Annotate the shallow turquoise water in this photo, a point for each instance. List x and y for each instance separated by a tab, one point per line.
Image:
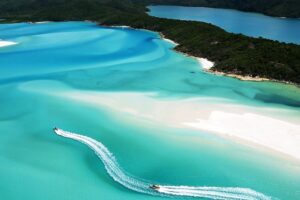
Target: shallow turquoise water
82	57
251	24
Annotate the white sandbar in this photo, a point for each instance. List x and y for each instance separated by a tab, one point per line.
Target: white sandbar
273	128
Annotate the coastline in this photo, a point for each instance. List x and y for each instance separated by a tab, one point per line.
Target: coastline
240	77
205	63
250	78
163	37
185	49
208	65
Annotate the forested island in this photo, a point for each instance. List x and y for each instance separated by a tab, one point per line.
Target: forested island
232	53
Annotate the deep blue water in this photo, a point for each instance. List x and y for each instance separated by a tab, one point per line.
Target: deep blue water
250	24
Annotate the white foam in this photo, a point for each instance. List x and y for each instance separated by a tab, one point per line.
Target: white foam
109	162
214	192
113	169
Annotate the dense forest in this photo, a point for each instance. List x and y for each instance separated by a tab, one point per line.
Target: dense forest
279	8
232	53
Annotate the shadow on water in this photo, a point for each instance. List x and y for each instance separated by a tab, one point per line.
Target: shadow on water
277	99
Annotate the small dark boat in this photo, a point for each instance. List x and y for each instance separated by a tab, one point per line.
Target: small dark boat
55	129
154	187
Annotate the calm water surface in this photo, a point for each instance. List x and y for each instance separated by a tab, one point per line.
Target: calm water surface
251	24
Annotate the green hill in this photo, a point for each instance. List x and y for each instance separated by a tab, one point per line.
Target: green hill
58	10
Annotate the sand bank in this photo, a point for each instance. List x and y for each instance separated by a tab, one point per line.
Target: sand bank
242	122
278	135
246	123
266	127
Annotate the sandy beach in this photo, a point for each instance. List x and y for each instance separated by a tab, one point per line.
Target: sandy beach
170	41
240	77
205	63
265	127
165	38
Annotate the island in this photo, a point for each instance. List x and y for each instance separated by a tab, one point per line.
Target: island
233	54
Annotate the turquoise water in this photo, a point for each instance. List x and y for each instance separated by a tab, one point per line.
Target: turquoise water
250	24
54	61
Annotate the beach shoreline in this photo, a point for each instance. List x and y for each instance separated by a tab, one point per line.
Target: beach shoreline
249	78
163	37
205	63
208	66
240	77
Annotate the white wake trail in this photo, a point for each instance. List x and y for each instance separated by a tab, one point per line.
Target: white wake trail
114	170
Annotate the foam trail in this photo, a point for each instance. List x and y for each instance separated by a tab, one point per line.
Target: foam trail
128	181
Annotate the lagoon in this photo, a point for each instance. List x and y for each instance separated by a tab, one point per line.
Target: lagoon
153	108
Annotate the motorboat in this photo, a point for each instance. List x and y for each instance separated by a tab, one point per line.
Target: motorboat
154	187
